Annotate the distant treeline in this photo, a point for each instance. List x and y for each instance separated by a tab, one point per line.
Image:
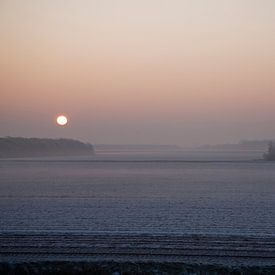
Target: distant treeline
257	145
270	155
40	147
135	147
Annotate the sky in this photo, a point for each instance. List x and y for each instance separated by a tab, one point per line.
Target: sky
138	72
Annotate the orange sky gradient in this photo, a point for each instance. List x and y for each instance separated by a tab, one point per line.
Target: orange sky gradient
156	72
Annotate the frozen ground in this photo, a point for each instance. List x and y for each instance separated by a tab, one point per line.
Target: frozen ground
147	206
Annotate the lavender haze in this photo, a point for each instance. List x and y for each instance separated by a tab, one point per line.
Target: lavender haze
133	72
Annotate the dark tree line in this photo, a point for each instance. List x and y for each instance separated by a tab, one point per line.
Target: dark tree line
28	147
270	155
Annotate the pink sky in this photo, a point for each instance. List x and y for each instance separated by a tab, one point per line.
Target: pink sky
162	72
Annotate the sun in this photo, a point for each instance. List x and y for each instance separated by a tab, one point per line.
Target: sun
62	120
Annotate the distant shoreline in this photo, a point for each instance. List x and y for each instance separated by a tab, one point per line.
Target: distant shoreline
17	147
245	145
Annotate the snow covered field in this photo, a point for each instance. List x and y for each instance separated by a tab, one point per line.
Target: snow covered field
169	197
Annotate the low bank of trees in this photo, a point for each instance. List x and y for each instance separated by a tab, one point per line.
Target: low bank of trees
31	147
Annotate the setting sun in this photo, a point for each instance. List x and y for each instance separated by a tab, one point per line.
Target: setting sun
62	120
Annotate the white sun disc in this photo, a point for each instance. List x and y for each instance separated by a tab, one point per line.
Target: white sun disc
62	120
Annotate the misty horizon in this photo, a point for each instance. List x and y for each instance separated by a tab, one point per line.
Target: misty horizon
245	144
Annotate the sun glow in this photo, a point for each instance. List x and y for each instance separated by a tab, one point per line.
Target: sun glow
62	120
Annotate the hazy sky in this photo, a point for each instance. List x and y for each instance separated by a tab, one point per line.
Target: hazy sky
184	72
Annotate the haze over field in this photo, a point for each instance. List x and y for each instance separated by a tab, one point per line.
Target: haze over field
131	72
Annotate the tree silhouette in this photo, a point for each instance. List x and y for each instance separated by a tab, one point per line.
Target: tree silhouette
270	155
